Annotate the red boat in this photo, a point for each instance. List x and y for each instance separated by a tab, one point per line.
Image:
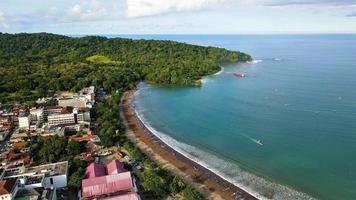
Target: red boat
239	74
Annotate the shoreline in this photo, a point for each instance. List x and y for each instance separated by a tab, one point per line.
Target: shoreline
211	185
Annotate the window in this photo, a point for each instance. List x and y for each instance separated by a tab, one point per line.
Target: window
51	181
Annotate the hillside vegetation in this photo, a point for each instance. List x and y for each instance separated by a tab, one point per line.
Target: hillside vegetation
34	65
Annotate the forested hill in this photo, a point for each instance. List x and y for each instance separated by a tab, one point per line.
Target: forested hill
31	65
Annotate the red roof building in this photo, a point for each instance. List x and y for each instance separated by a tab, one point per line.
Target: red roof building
129	196
8	188
19	145
115	167
110	181
95	170
107	184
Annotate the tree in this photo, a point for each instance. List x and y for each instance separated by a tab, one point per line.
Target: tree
75	180
190	194
152	183
177	185
74	148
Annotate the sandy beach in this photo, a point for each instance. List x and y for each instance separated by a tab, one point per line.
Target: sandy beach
208	183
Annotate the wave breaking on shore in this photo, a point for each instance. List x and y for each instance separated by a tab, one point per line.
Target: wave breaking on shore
231	172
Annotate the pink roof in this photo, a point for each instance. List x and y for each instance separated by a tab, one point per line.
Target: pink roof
130	196
95	170
106	184
115	167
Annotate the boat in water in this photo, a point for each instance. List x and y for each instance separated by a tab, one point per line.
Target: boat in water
259	142
239	74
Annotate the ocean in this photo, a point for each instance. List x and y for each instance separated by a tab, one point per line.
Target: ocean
285	131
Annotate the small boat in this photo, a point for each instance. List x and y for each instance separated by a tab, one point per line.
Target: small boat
239	74
259	142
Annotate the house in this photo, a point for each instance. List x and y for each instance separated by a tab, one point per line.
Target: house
8	189
115	167
37	194
52	175
129	196
105	185
111	181
4	132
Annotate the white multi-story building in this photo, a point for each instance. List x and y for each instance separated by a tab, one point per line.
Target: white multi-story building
61	119
82	115
75	102
52	175
84	99
24	121
37	115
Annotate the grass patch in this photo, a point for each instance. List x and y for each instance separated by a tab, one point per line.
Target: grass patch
100	59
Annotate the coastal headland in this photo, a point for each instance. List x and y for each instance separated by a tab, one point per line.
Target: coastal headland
209	184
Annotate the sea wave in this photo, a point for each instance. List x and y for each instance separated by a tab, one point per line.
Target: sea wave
219	72
255	61
257	186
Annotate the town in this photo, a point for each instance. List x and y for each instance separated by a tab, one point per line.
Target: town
52	151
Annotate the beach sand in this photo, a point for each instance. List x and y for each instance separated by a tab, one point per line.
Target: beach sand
205	181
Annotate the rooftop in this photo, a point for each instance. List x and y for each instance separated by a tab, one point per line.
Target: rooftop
107	184
52	169
129	196
7	185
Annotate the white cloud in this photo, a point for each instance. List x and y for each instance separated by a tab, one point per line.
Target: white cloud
76	9
3	22
141	8
87	10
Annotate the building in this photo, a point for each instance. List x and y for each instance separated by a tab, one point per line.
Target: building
4	132
84	99
75	102
24	121
47	176
8	189
37	194
61	119
51	110
104	185
82	115
37	114
112	181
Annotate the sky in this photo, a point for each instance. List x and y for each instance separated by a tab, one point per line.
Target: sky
178	16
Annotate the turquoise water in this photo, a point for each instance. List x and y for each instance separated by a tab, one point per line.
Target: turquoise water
299	101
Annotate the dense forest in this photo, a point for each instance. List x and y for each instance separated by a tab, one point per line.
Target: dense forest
35	65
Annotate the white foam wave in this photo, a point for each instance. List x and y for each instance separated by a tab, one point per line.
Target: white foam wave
219	72
231	172
255	61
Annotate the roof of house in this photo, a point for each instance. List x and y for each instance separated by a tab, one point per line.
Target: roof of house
19	145
81	138
106	184
95	170
129	196
115	167
7	185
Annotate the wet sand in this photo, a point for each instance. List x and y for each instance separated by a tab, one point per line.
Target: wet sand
208	183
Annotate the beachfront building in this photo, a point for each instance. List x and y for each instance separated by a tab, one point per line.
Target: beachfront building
8	189
108	182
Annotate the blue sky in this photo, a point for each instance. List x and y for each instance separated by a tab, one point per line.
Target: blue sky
178	16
